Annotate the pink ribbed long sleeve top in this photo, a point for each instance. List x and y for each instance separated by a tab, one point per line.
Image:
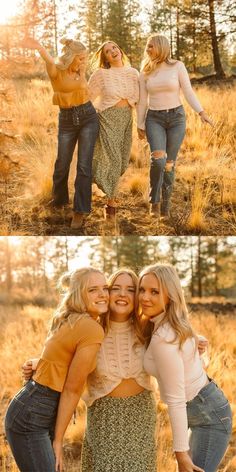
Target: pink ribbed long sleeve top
160	90
180	376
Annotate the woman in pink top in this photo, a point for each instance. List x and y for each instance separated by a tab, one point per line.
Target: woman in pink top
194	401
161	117
114	89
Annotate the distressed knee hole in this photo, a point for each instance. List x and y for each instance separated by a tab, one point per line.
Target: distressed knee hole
169	166
158	154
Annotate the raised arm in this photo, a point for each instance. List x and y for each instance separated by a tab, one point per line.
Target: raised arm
31	43
170	367
81	366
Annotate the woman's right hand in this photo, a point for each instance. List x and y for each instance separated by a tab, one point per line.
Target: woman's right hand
185	463
28	368
30	43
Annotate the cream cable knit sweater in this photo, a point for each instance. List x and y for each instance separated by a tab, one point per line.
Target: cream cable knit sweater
108	86
120	357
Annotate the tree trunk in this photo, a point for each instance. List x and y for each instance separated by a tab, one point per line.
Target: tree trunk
214	41
199	267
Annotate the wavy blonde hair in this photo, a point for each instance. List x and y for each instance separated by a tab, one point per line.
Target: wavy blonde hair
176	312
135	319
74	302
71	48
99	61
162	50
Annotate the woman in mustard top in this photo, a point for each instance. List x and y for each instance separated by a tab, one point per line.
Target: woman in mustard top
41	411
78	123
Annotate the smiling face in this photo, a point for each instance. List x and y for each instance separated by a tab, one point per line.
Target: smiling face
79	59
122	297
112	54
96	295
152	299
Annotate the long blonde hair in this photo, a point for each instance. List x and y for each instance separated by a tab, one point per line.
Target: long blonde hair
176	312
99	61
135	319
74	302
162	49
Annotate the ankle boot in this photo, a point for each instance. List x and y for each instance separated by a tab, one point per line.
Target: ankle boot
77	220
155	210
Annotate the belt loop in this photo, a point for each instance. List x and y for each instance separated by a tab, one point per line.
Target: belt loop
201	398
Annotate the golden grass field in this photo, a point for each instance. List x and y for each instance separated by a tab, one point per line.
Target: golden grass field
23	332
204	198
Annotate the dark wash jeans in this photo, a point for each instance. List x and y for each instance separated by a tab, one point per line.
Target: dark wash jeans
210	421
29	426
77	124
165	132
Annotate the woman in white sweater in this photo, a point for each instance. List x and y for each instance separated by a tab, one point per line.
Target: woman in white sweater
194	401
161	116
114	89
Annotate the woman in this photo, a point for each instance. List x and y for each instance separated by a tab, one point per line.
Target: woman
193	399
162	115
41	411
78	123
114	89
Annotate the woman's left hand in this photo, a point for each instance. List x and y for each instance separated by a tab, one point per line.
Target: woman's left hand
205	118
58	451
202	345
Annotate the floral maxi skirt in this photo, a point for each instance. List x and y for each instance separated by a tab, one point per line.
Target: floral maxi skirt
121	435
112	148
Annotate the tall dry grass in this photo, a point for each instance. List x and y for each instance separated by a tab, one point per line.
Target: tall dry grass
204	198
23	332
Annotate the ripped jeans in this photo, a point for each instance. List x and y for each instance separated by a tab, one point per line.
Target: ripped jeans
165	131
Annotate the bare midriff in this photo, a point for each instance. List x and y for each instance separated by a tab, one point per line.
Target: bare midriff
122	103
127	388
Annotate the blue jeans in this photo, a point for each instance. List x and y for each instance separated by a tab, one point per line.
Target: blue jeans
77	124
29	426
165	131
210	421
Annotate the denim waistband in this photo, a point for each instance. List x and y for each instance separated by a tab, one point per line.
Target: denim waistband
79	108
205	392
33	386
169	110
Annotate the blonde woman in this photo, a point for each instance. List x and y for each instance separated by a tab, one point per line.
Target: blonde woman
161	117
114	89
41	411
193	400
78	124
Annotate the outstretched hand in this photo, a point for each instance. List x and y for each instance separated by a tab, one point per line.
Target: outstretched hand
205	118
30	43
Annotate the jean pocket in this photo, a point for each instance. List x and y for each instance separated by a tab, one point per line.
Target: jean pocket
180	112
224	415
